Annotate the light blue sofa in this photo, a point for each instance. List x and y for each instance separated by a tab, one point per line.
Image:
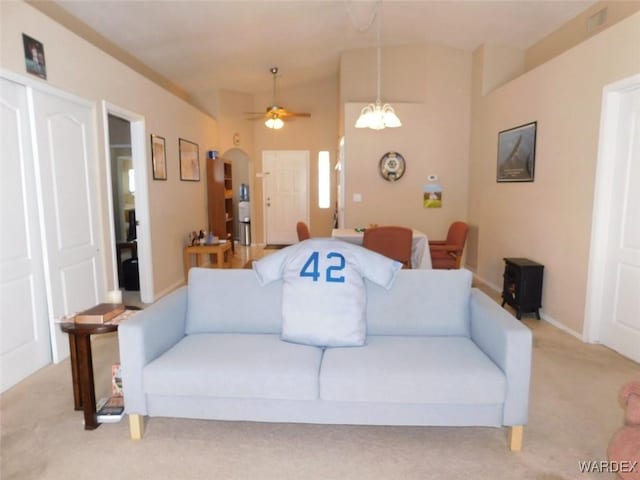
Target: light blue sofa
438	353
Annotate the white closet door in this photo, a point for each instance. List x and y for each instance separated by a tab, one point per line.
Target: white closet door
621	306
67	160
24	328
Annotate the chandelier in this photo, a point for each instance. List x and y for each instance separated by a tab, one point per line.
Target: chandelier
378	116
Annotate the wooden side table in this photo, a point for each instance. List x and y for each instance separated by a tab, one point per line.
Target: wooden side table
84	394
221	251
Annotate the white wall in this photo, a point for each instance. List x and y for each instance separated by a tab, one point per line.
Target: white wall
78	67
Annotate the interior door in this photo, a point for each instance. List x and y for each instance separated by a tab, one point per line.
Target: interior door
621	299
286	194
24	342
67	160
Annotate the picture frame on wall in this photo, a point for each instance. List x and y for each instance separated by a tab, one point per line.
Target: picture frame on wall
517	153
189	161
34	56
158	157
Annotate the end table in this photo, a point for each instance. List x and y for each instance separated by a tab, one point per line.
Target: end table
84	394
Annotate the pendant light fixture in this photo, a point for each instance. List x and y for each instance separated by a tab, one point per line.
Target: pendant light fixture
377	116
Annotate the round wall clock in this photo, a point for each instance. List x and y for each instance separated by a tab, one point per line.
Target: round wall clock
392	166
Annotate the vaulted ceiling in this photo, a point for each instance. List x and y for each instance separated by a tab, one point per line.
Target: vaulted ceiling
202	46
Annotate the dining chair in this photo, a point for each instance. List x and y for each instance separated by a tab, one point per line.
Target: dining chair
303	231
447	254
390	241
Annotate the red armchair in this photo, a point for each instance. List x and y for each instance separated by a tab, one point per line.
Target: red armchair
447	254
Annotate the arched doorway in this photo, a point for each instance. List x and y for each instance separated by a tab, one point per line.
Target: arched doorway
242	167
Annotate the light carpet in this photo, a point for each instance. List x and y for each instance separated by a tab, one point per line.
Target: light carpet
573	414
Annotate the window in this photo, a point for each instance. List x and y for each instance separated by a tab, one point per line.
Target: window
324	179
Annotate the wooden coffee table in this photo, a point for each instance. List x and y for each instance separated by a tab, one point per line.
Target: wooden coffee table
221	251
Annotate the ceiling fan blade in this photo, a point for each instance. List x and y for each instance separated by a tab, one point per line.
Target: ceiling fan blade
295	114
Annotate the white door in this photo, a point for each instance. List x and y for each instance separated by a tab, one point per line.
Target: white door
67	159
620	318
286	194
24	328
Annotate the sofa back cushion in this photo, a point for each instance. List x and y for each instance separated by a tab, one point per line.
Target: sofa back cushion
232	301
421	302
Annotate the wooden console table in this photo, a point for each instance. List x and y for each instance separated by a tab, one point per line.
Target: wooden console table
221	251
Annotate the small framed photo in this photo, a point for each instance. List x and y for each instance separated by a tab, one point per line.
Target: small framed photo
189	161
158	157
517	153
34	56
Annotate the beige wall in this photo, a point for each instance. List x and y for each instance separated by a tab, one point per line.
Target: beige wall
230	113
314	134
500	64
78	67
548	220
429	86
576	31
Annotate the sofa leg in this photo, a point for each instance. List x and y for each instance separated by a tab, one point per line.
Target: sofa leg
136	426
516	433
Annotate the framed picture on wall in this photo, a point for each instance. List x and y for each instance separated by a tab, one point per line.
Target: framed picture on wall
517	153
158	158
34	56
189	161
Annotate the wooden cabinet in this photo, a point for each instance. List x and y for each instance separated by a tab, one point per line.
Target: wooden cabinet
220	198
522	287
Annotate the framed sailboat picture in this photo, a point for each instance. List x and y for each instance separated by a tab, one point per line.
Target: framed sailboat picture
517	153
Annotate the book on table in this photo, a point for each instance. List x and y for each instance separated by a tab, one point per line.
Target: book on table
110	410
102	313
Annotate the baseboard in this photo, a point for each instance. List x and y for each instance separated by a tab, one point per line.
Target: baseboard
543	315
561	326
497	288
168	290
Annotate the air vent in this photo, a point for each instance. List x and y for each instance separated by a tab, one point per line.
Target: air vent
595	21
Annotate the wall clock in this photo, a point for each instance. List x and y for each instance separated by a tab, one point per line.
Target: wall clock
392	166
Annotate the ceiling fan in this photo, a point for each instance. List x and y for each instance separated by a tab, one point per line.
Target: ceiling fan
275	115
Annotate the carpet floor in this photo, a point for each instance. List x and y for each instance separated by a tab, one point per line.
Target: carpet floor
573	414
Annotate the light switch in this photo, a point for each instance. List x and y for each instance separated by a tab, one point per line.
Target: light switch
357	197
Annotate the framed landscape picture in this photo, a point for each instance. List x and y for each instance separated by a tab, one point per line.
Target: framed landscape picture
189	161
158	158
517	153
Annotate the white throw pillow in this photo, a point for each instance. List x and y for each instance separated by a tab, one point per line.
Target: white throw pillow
323	296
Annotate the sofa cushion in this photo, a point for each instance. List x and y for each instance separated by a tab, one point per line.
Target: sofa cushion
421	302
235	366
218	302
441	370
